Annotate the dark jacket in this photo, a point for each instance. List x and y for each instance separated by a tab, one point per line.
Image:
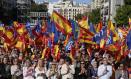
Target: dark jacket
5	71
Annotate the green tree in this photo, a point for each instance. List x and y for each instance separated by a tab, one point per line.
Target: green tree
79	17
127	2
38	7
94	16
123	13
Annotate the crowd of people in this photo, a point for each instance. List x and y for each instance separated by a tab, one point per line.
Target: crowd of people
100	65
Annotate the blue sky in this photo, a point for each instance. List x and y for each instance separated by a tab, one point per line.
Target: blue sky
78	1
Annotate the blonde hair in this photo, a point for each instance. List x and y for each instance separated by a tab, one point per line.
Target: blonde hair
39	62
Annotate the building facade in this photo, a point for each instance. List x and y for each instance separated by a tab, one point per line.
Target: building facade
96	4
6	6
69	9
35	15
23	8
109	7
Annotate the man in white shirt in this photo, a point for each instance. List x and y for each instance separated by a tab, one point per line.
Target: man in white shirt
104	70
67	70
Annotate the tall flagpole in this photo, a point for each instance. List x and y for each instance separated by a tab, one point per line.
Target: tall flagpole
109	9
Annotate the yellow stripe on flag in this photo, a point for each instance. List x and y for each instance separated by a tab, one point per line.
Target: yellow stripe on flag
84	24
56	50
102	43
63	23
9	34
43	53
111	26
19	44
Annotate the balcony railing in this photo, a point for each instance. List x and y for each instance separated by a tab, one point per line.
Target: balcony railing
38	14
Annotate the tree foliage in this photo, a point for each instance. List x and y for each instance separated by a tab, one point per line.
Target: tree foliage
127	2
123	13
38	7
94	16
79	17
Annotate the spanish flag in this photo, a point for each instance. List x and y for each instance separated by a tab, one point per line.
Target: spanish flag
111	26
21	29
44	53
84	23
2	30
123	32
99	27
20	45
129	21
62	23
8	36
102	43
56	50
15	24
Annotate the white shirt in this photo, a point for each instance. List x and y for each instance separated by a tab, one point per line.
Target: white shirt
59	69
28	73
67	73
37	71
102	69
15	70
53	76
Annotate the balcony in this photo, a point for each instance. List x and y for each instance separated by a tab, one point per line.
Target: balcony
38	14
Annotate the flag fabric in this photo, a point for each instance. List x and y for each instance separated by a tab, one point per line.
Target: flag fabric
49	26
72	53
85	36
20	42
5	46
84	23
75	28
116	36
62	24
109	38
28	28
99	27
101	35
55	33
43	53
129	21
2	29
92	29
66	40
89	51
122	33
128	40
37	30
19	45
111	26
56	50
69	44
102	43
20	29
8	36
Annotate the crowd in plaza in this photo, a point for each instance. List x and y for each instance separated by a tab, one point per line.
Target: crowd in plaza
63	49
100	65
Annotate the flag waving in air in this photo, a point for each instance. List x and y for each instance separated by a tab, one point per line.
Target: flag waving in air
129	21
84	23
62	23
128	38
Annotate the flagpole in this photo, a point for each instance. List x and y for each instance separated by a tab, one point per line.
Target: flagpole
109	9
